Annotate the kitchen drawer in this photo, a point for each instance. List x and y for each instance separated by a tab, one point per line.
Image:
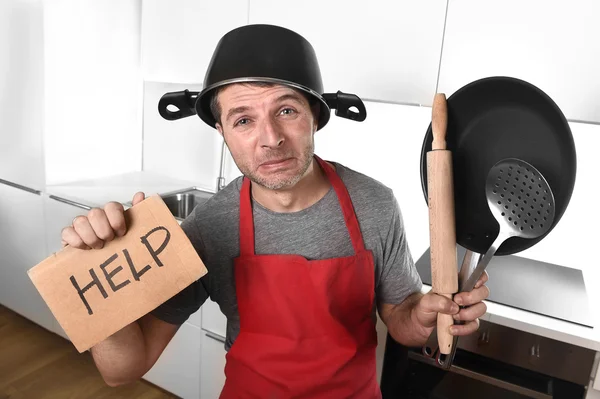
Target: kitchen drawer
533	352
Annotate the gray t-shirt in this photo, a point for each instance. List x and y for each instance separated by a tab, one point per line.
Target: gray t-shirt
317	232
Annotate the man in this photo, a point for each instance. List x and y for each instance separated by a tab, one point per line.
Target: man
300	252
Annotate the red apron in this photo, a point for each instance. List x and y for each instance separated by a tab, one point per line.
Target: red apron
306	327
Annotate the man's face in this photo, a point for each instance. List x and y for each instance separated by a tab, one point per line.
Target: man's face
269	132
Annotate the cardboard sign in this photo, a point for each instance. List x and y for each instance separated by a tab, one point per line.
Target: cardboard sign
95	293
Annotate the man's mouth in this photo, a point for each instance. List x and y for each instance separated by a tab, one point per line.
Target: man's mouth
276	162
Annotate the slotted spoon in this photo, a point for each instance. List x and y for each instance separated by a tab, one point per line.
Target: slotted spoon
522	203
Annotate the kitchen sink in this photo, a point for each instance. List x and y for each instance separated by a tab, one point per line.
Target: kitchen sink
182	202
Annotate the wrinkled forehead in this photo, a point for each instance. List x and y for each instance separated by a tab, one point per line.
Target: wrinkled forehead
258	93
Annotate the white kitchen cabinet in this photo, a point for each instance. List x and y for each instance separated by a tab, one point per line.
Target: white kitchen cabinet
551	44
92	89
22	94
212	374
22	246
184	149
381	50
178	368
381	341
179	37
59	213
213	320
196	319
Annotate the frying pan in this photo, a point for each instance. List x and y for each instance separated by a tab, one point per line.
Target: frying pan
492	119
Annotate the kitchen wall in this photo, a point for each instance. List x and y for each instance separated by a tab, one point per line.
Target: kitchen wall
395	55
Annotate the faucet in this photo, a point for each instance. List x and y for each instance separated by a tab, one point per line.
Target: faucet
221	178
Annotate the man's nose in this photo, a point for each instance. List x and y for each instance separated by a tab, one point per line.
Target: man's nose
271	135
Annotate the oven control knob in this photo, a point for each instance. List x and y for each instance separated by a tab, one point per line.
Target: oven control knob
535	351
484	337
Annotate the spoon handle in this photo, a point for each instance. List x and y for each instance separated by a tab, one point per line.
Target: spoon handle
485	260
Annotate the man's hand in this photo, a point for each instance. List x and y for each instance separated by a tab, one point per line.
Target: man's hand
98	227
426	310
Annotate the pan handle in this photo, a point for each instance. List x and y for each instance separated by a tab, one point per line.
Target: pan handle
342	102
184	101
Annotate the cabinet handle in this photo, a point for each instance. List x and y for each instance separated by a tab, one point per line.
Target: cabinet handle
214	336
530	393
20	187
66	201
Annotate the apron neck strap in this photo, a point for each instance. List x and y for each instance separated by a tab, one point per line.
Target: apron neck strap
247	220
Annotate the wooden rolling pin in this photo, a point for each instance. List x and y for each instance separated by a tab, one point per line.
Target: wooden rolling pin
442	227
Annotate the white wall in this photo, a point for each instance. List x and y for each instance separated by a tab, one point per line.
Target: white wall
93	88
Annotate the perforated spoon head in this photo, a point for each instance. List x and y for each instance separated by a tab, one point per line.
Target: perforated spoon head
520	199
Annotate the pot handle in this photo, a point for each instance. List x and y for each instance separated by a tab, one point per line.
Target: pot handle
184	101
342	102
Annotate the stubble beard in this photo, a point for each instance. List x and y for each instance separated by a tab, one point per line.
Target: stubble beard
277	183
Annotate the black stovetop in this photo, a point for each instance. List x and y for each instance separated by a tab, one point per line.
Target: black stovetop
539	287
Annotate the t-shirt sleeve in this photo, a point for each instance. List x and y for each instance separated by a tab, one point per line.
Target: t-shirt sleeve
399	276
181	306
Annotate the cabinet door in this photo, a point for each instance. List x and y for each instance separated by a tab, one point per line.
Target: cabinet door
381	340
178	38
212	371
198	160
22	246
213	320
547	43
58	215
178	368
90	133
383	50
22	94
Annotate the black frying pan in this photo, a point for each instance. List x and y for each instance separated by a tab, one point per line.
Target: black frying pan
492	119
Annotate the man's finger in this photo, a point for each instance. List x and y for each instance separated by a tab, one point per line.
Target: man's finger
434	303
482	280
138	197
70	237
471	312
472	297
114	213
99	222
465	329
82	226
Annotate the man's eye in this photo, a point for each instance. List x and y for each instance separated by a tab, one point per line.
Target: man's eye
243	121
287	111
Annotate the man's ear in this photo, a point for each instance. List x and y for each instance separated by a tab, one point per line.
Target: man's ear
219	128
316	111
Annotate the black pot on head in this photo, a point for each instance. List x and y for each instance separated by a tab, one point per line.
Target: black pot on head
262	53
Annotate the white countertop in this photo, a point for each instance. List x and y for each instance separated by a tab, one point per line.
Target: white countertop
542	325
121	188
